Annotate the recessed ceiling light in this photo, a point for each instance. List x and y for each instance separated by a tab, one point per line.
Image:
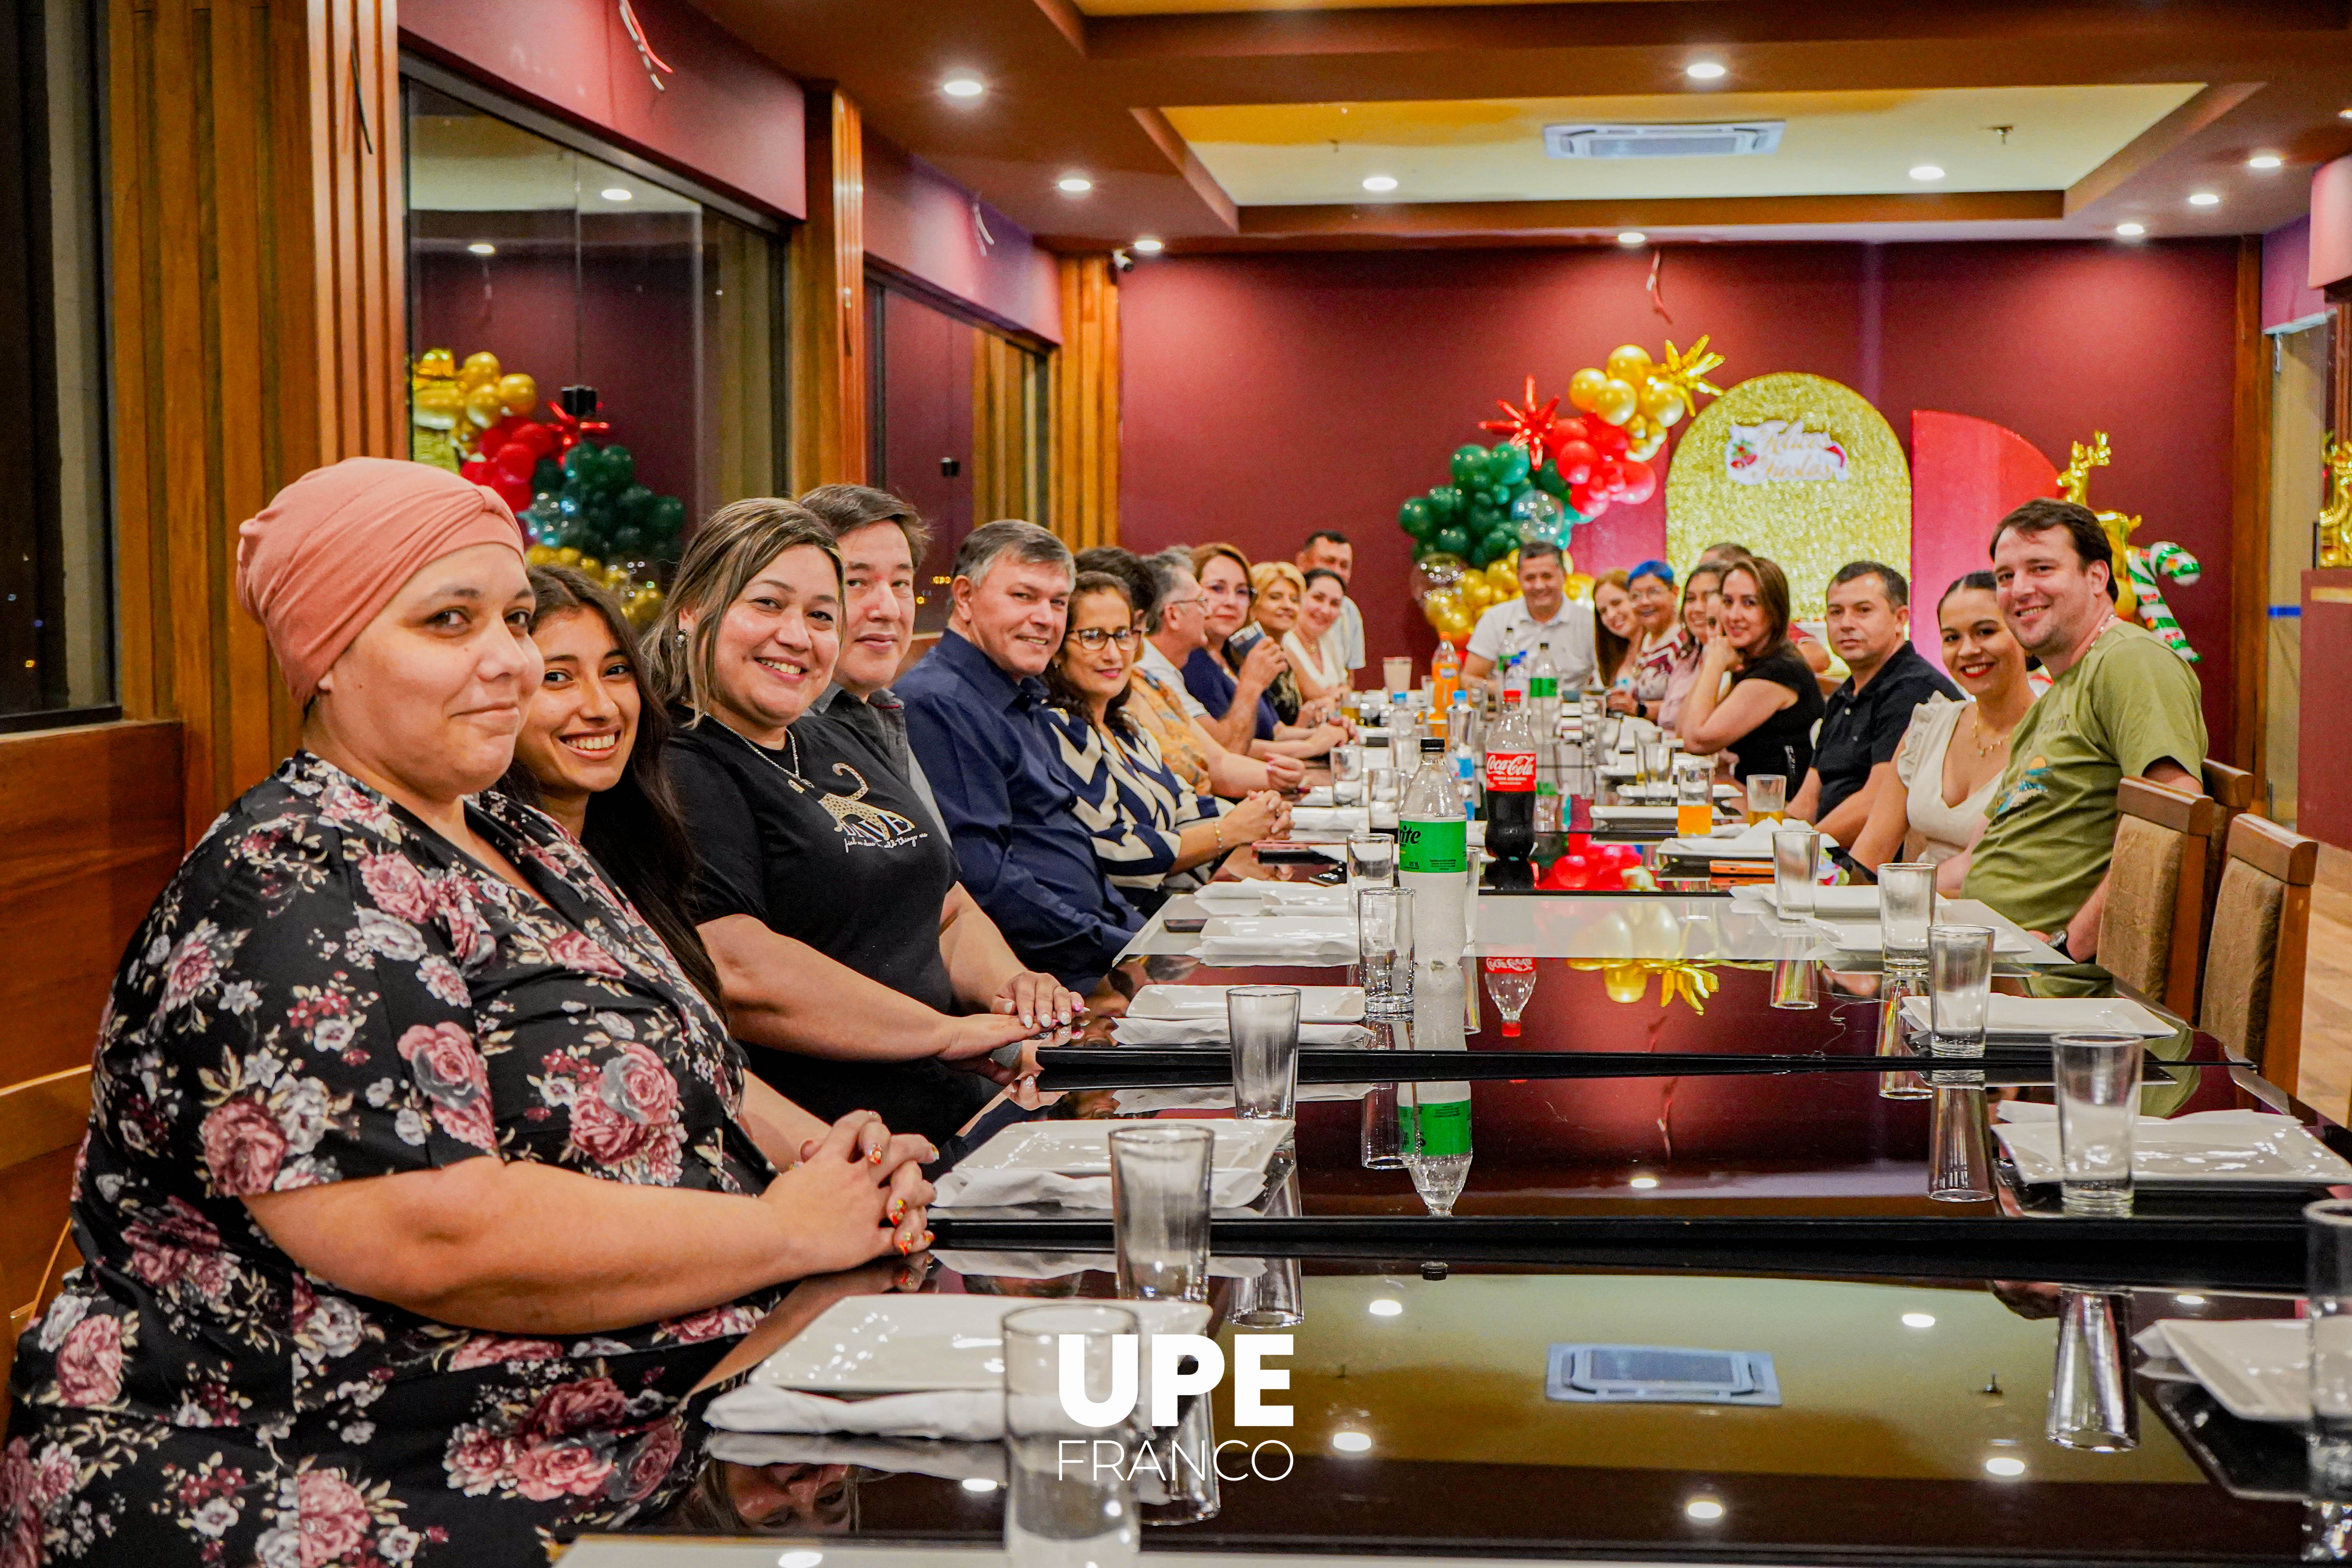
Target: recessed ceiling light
1379	182
1151	246
483	247
618	194
2205	199
1384	1307
802	1558
1918	1319
2131	230
1705	1509
2344	114
2190	1300
1704	70
963	86
1632	237
978	1484
1076	184
1926	171
1644	1183
2004	1464
2264	161
1352	1442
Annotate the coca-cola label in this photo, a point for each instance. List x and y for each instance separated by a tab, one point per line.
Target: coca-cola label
1510	966
1511	771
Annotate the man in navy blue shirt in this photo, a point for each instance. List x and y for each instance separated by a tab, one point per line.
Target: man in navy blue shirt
972	715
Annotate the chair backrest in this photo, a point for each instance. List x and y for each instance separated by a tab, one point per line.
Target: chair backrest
42	1121
2262	934
2232	790
2150	930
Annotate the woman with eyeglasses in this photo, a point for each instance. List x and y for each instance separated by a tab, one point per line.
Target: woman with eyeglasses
1153	835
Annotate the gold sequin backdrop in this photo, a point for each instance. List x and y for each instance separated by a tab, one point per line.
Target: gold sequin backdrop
1811	526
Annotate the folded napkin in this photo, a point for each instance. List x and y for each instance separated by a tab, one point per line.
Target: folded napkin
1061	1264
1286	938
1134	1031
948	1460
1634	813
1750	843
1014	1189
1304	954
1272	898
1331	820
1213	1097
1316	1004
972	1415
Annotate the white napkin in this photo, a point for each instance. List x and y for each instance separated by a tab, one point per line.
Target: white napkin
1289	937
1316	1004
972	1415
948	1460
1060	1265
2041	1017
1013	1189
1208	1097
1341	819
1750	843
1631	814
1272	898
1134	1031
1304	952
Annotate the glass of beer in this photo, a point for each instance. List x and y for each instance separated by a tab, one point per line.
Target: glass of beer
1694	796
1767	796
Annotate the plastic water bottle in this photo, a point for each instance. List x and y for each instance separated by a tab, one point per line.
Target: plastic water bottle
1543	720
1445	676
1433	858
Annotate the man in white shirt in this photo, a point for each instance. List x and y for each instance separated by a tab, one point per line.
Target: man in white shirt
1328	549
1542	614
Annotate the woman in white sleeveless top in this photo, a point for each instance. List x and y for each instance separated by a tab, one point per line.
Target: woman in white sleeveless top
1953	753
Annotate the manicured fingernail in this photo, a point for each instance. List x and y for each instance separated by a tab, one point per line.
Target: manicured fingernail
929	1154
875	1158
898	1210
927	1239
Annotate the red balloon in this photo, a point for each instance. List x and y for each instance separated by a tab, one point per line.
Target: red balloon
1641	482
1609	478
516	461
536	438
478	469
1609	439
515	492
1588	501
1568	872
1623	854
1576	459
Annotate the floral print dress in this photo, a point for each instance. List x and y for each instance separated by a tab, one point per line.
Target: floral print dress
327	990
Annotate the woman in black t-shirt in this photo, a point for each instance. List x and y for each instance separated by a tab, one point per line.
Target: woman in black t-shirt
848	951
1767	717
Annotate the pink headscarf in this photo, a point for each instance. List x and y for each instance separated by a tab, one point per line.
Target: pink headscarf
332	549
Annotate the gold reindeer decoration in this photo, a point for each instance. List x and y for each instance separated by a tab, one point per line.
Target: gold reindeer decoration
2336	521
2074	485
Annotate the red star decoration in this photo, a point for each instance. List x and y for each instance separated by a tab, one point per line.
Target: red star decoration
1530	428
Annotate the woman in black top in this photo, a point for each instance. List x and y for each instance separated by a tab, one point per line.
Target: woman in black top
846	949
1767	717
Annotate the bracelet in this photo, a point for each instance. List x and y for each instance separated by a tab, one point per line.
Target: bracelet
1218	823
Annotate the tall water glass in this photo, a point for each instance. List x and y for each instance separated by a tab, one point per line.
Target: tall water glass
1894	989
1348	776
1274	1296
1959	978
1768	798
1794	974
1385	948
2327	1232
1159	1178
2098	1111
1657	761
1381	785
1178	1484
1057	1514
1960	1146
1907	902
1380	1149
2091	1402
1795	853
1263	1022
1371	860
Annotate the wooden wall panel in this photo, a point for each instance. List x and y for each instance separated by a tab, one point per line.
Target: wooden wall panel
257	330
2250	520
1085	422
828	325
1003	429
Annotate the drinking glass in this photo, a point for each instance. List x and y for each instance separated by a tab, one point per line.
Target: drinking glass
1348	776
2327	1232
1959	1154
1380	1149
1795	853
1960	972
1381	785
1160	1210
1275	1297
1906	901
1891	1043
1371	860
1262	1021
1433	1129
1398	673
1767	796
1178	1484
1079	1514
1385	948
2090	1401
1694	796
2098	1111
1793	973
1657	760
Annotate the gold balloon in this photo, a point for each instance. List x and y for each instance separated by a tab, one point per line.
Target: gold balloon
539	554
1505	577
1648	448
1580	585
567	556
1457	625
1439	603
591	567
1584	388
519	392
480	370
1625	982
1616	402
436	406
1630	362
436	365
484	407
1661	401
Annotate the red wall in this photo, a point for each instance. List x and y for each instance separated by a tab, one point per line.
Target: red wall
920	221
1267	396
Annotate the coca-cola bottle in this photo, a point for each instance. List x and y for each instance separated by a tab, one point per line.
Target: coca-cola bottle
1511	783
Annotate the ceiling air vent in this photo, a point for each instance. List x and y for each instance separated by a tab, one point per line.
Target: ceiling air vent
1659	1375
1723	140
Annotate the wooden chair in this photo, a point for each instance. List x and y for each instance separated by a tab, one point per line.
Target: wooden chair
42	1121
2150	932
2262	934
2232	790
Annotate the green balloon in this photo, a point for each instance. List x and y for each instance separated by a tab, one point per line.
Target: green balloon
668	520
1445	502
1488	549
1469	465
635	506
1416	518
620	466
1453	540
1547	480
1508	464
579	459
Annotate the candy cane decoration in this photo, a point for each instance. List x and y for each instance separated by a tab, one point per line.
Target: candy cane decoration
2167	560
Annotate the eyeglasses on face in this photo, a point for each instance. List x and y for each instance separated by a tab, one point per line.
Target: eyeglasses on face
1091	638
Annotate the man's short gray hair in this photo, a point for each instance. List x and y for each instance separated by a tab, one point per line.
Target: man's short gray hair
1024	542
1168	568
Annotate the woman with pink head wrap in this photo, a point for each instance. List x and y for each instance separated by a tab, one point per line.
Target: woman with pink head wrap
421	1188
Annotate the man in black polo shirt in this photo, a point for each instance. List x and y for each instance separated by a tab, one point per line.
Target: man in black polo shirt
1870	628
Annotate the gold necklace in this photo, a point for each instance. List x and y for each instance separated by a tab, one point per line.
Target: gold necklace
1976	733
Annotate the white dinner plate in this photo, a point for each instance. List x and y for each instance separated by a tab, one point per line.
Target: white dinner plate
1634	813
1868	936
1316	1004
1083	1148
1280	930
903	1344
2041	1018
2259	1368
2230	1147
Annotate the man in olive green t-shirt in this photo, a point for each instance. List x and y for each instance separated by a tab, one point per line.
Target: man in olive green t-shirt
2121	703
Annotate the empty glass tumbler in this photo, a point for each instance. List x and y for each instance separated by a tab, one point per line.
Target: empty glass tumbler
1960	980
1160	1177
1348	776
1795	853
1960	1146
2092	1405
1385	948
1371	860
2327	1232
1068	1504
1906	903
1263	1022
2098	1112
